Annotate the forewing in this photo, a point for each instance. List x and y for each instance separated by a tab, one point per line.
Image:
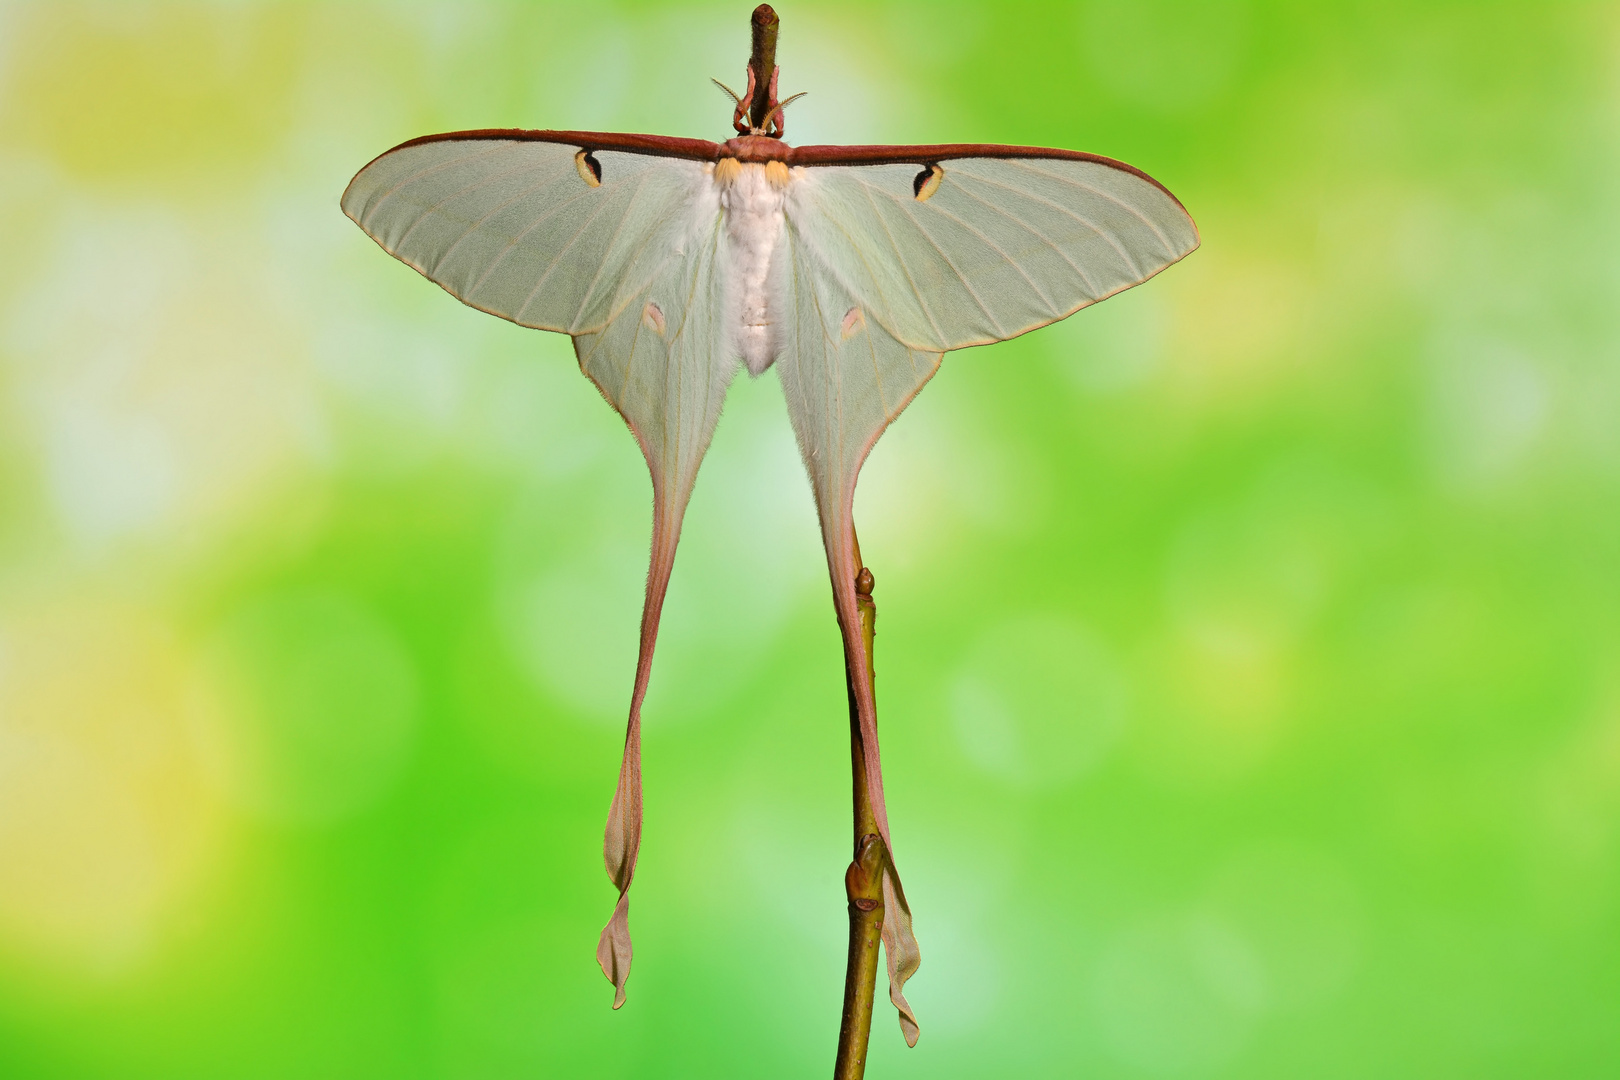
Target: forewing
845	378
998	247
516	228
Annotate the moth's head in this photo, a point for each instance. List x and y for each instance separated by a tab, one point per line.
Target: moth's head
758	112
772	126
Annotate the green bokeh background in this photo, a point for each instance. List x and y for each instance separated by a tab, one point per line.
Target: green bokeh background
1249	647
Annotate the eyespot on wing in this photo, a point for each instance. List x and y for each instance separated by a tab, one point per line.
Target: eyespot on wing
590	170
854	320
926	182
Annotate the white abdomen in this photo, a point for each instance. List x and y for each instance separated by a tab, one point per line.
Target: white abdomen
751	197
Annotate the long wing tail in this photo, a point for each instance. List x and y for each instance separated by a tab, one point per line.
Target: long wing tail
662	363
621	842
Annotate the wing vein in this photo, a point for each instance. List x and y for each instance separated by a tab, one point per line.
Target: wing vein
519	238
1169	249
607	249
474	226
901	259
1076	267
906	212
429	211
1124	255
435	167
854	249
517	316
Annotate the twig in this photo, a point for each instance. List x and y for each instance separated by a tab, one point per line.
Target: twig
863	881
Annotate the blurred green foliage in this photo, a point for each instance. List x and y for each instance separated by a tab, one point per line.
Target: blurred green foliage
1249	656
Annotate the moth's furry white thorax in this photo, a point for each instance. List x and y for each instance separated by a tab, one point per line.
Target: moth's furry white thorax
752	197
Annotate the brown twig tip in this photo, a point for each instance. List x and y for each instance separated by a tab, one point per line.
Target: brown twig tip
865	582
762	66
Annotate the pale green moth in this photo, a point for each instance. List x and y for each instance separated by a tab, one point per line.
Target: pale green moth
851	270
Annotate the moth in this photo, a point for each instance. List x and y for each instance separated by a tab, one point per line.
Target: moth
674	263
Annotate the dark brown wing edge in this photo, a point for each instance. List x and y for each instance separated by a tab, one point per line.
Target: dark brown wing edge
928	155
760	148
655	145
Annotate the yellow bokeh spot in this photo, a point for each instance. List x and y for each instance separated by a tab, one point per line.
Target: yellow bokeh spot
104	822
1224	697
1239	326
111	92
